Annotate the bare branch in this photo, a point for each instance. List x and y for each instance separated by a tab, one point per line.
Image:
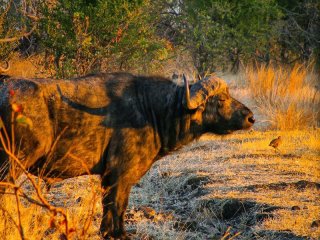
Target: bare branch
32	17
45	203
4	40
20	228
7	9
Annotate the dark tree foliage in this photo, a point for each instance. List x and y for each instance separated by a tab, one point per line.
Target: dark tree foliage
78	37
299	38
17	23
225	34
86	35
220	34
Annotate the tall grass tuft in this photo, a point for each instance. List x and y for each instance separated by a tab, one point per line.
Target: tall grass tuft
288	97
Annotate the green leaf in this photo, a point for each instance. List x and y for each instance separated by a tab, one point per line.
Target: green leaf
23	120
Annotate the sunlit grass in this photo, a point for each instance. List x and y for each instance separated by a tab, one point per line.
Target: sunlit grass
289	98
82	206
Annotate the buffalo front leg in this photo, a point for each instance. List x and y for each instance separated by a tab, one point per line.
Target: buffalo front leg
115	201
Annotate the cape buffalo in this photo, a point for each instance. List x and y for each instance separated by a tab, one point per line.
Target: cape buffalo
115	125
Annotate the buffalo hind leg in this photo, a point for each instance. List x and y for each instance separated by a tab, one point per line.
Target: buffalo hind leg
123	204
115	201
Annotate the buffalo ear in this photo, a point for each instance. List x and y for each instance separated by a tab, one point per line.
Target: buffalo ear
197	116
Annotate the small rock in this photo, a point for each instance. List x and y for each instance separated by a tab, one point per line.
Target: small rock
295	208
315	223
270	209
131	231
148	212
186	226
165	174
234	207
260	217
226	208
63	237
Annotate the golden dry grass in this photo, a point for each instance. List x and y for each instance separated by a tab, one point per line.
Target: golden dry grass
289	98
82	208
31	67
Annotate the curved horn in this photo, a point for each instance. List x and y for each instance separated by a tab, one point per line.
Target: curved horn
186	100
3	70
202	90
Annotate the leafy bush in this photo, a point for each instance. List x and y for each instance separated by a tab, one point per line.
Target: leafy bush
99	35
218	33
78	37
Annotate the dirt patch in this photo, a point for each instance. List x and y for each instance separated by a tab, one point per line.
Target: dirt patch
187	184
265	155
276	235
225	209
204	148
299	185
196	182
182	225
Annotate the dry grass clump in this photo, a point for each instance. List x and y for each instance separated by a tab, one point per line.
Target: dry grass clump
38	66
80	198
289	98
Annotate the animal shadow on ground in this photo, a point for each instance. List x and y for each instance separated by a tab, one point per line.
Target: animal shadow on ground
299	185
264	155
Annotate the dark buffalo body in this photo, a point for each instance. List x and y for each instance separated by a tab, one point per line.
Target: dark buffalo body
115	125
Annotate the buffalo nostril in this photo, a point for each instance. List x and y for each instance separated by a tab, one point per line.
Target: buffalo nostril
251	120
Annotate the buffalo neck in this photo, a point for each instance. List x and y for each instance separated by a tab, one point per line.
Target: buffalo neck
168	117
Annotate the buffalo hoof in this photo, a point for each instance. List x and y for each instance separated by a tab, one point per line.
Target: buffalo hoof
122	236
117	238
